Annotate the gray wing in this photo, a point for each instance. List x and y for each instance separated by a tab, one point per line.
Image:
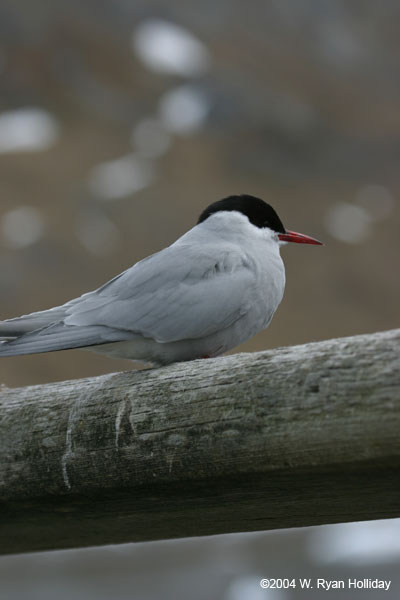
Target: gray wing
45	331
178	293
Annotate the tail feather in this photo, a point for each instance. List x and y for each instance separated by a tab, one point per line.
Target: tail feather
12	328
59	337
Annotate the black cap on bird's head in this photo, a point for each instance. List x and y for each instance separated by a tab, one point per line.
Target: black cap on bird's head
256	210
259	213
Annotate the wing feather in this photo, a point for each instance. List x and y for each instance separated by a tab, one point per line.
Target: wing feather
58	337
173	295
182	292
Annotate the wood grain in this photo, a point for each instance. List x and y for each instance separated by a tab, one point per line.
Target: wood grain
286	438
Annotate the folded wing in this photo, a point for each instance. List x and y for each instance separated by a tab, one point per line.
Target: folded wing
178	293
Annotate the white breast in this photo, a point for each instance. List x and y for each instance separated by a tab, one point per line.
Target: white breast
237	253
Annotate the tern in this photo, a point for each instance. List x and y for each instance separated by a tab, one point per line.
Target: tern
214	288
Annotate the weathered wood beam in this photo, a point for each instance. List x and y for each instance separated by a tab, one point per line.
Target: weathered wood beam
290	437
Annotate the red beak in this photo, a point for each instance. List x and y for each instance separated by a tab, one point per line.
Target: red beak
298	238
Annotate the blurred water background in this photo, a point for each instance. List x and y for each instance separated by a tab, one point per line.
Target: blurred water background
119	122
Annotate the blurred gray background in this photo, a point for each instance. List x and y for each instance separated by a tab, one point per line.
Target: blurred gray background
119	122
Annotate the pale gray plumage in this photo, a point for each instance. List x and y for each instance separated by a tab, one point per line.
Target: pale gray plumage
214	288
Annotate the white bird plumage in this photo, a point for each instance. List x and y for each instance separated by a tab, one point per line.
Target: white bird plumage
214	288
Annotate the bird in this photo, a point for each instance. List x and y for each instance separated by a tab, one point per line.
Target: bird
212	289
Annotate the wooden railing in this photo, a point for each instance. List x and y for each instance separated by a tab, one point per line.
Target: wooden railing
285	438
